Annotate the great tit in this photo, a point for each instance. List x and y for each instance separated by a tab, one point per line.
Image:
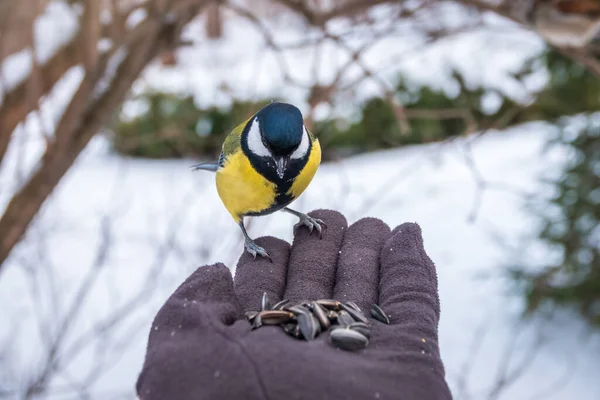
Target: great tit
266	162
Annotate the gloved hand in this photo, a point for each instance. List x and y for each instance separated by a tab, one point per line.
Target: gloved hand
202	347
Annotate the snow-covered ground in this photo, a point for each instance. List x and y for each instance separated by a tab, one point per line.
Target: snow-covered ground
134	229
431	185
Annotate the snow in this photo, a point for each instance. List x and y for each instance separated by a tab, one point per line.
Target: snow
111	69
160	221
136	17
28	141
241	63
54	28
152	201
15	69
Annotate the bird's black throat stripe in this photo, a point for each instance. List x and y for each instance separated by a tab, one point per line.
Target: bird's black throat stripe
266	167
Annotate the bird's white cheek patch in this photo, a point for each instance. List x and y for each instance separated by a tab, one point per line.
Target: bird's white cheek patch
302	149
255	143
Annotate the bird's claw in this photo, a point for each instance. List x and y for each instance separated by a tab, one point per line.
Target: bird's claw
311	223
255	250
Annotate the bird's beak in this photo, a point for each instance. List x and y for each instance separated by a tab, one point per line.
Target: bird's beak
281	164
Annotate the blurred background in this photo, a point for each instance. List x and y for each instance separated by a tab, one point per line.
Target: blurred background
477	119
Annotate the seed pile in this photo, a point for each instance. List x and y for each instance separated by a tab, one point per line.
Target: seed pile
350	329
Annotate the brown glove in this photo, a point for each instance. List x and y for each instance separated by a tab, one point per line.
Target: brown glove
202	347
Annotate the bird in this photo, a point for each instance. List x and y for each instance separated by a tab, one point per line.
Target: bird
266	163
567	23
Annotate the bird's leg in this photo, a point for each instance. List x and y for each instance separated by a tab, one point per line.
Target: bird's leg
310	222
251	246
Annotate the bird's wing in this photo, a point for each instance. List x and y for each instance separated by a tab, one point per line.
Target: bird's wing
232	143
311	135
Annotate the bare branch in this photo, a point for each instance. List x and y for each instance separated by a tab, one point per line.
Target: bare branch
15	106
39	384
90	35
80	122
342	9
583	57
268	36
120	314
502	8
467	366
506	376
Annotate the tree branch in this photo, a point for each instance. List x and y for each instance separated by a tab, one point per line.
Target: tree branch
589	61
16	106
84	116
346	9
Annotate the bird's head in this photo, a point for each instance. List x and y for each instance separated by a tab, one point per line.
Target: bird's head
276	137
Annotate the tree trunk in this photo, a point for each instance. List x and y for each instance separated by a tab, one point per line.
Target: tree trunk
85	114
59	157
15	106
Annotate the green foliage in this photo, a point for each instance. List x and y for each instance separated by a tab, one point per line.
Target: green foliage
376	129
440	116
573	230
571	89
174	126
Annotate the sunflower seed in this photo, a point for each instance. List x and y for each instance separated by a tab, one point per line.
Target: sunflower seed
332	316
281	305
257	322
317	324
275	317
357	315
292	329
379	314
321	315
308	326
329	304
299	310
250	315
348	339
354	306
361	328
305	320
344	319
265	304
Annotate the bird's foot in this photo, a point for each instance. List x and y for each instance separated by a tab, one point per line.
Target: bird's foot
255	250
311	223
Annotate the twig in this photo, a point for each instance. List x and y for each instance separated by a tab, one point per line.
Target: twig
589	61
560	383
465	371
505	376
480	183
267	35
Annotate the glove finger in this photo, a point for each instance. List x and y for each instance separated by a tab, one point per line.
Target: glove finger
357	277
255	277
206	297
408	290
311	270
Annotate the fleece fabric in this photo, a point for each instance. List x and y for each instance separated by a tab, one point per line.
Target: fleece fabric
201	347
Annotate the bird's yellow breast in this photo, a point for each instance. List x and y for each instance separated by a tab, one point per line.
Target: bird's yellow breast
243	190
308	172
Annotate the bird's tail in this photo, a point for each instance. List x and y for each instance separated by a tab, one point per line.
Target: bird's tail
206	166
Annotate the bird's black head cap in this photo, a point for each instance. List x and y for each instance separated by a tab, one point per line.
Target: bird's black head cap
281	127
